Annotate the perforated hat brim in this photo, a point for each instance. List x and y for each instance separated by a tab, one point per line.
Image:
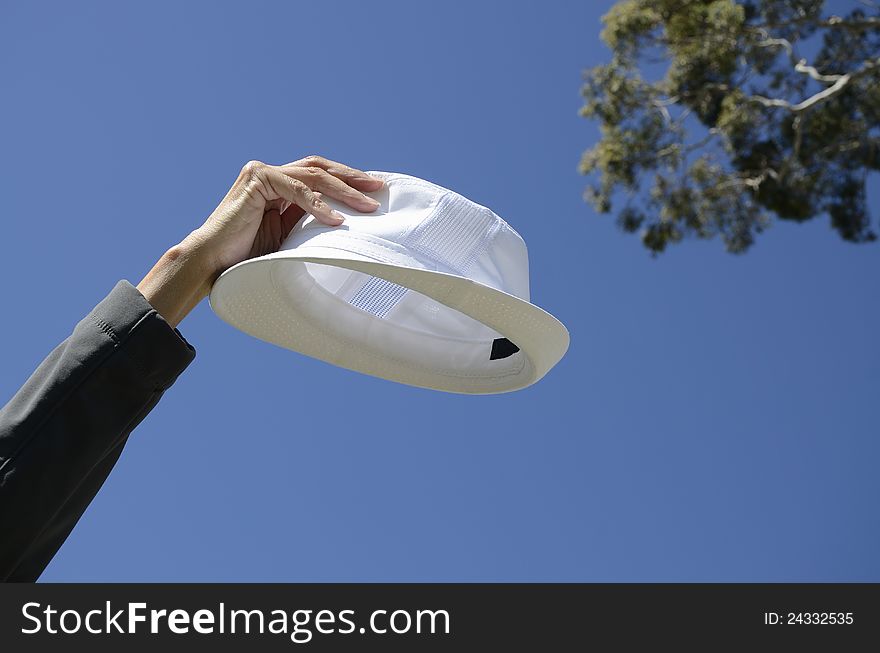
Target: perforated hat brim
247	297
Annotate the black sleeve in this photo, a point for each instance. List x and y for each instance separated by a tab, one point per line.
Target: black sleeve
63	431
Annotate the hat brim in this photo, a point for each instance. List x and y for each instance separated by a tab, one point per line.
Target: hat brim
246	297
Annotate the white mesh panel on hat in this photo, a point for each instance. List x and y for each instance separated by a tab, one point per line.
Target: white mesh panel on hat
453	235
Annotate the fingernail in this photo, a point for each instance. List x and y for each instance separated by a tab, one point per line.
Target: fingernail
337	215
372	201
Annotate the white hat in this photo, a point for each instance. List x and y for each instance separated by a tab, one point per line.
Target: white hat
431	290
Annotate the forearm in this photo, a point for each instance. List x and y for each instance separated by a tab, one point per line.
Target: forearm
62	432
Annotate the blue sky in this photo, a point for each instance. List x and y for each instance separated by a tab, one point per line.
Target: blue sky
714	420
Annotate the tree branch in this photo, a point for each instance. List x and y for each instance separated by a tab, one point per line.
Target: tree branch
799	65
712	133
862	23
752	182
661	107
802	67
771	43
834	89
867	22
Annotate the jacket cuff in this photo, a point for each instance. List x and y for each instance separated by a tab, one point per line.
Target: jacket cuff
136	328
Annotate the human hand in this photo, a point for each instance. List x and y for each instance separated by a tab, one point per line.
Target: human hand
266	201
253	219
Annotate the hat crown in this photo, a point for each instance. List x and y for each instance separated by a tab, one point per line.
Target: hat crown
441	229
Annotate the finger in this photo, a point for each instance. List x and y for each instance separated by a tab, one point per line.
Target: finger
290	215
289	218
321	180
351	176
295	191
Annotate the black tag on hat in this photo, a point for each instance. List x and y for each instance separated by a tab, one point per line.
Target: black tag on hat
502	348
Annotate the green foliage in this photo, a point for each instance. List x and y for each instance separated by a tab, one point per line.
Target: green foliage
712	120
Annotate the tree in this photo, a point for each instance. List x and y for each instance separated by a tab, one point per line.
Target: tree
716	116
